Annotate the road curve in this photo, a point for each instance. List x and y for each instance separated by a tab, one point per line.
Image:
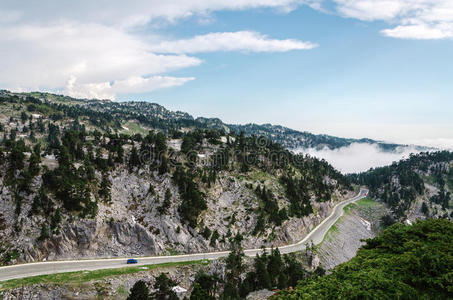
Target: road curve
50	267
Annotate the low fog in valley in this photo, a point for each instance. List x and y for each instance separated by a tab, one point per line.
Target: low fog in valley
359	157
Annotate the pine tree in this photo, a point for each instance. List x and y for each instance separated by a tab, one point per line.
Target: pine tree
163	287
139	291
263	279
234	268
204	287
134	159
104	189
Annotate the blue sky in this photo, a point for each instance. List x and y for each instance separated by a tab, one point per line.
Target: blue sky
357	68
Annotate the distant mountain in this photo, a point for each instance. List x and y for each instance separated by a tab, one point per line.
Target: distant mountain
293	139
418	187
155	116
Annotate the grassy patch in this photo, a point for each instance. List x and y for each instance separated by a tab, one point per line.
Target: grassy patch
333	228
330	232
450	184
133	128
365	206
122	291
370	209
260	176
171	251
362	203
348	207
366	202
86	276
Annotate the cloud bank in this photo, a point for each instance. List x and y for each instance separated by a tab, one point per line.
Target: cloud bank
359	157
414	19
97	49
100	48
246	41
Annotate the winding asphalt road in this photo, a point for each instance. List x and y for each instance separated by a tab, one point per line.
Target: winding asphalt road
50	267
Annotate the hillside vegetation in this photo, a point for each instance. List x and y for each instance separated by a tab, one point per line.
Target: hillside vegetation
155	116
421	185
78	180
404	262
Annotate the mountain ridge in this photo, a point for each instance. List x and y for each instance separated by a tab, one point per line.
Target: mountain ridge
289	138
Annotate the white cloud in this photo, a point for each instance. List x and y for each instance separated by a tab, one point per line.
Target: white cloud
248	41
46	57
414	19
138	12
420	31
100	49
359	157
108	90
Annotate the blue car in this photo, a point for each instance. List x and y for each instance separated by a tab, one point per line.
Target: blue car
132	261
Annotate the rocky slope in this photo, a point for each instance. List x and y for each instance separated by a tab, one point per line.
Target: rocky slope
75	185
131	225
416	188
361	220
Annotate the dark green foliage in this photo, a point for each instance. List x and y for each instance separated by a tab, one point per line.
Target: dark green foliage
31	107
16	157
33	161
23	117
204	287
134	159
193	202
163	209
387	220
41	203
297	193
44	233
404	262
206	233
73	141
443	198
214	237
272	271
139	291
234	268
425	209
7	254
399	185
269	212
104	189
52	138
154	152
40	125
163	287
260	225
71	186
191	141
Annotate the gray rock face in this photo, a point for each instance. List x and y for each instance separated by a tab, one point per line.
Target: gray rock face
85	239
344	239
131	223
259	295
